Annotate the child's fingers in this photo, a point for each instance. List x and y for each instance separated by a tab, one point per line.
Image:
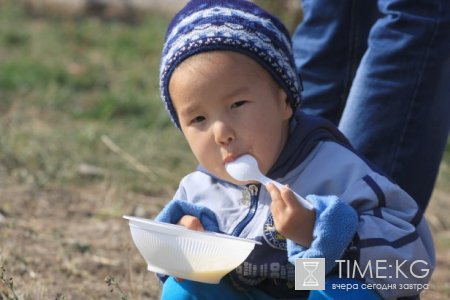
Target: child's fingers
275	194
283	197
288	197
191	222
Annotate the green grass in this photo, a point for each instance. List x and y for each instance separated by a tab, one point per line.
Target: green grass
66	83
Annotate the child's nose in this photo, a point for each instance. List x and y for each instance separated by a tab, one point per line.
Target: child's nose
223	133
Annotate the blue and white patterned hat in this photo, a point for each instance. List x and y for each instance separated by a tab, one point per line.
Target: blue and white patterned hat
233	25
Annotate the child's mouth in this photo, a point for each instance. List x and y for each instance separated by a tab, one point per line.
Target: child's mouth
229	158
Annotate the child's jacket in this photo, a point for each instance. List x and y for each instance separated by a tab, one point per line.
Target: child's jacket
366	226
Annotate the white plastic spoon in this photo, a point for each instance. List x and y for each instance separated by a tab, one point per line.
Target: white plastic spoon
245	168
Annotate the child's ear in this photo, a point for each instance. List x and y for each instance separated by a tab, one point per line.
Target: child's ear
287	108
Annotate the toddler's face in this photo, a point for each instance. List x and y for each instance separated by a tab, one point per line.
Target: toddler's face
228	105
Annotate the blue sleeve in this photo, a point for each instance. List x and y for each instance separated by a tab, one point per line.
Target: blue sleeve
176	209
336	224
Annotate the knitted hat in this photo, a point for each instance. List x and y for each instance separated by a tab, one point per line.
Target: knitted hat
233	25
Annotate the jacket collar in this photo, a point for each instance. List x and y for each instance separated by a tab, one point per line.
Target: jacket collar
306	132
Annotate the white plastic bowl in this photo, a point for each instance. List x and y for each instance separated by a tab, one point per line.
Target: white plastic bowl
175	250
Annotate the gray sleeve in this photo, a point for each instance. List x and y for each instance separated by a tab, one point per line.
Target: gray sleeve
393	245
181	192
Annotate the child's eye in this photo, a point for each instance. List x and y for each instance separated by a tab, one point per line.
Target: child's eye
238	103
197	119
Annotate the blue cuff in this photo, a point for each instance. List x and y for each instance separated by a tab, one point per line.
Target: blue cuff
176	209
336	224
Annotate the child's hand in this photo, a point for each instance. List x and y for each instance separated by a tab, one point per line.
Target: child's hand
291	219
191	222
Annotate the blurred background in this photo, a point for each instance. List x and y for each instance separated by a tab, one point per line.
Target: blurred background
85	139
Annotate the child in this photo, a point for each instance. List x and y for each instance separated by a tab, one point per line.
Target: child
229	83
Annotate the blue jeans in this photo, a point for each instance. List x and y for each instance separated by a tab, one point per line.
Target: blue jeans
380	70
191	290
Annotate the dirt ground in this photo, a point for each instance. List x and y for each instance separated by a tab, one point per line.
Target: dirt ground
62	243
